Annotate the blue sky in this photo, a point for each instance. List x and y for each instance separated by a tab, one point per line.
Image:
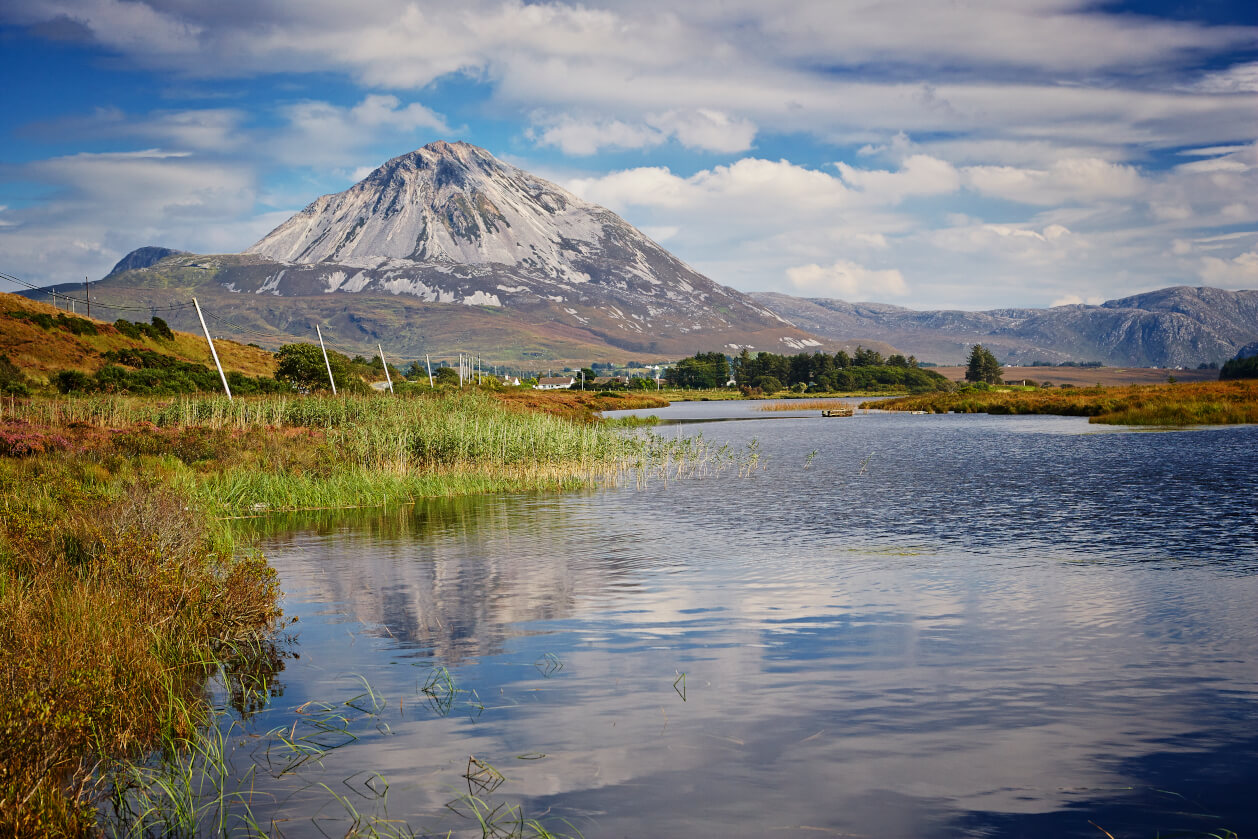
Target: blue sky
976	154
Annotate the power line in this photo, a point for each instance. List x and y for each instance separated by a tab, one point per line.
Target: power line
121	308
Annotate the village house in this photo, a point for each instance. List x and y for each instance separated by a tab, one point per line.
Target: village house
554	383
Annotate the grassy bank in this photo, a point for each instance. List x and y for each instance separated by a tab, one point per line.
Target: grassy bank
293	452
122	590
118	599
1185	403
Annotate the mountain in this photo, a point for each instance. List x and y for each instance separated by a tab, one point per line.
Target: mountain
449	248
1173	327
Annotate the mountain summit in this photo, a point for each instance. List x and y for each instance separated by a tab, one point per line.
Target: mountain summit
530	267
454	203
452	223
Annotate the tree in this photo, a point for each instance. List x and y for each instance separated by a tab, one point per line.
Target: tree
983	366
446	376
1240	368
302	367
703	370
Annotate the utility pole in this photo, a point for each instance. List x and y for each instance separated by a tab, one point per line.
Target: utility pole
385	364
319	332
213	352
87	296
428	364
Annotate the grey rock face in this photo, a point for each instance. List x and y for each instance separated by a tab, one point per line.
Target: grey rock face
143	258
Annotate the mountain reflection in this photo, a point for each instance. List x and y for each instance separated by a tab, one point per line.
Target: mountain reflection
451	577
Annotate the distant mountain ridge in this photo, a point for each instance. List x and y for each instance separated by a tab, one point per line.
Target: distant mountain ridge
539	271
1181	326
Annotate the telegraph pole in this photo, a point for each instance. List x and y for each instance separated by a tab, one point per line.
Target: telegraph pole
87	296
213	352
319	332
385	364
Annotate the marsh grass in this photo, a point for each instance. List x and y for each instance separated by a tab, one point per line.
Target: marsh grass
117	601
803	405
289	453
1185	403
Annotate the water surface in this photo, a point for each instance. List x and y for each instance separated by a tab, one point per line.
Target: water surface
901	626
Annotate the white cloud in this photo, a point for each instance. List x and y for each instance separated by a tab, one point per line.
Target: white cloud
846	280
1242	78
703	128
108	204
322	134
1076	300
1086	180
920	174
1239	272
589	136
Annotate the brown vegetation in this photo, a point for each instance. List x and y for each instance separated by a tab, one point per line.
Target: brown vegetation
1088	376
1185	403
117	600
579	405
41	352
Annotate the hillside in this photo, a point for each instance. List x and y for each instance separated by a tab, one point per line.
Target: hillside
66	344
1172	327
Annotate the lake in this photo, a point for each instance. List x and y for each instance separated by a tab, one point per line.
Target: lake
896	626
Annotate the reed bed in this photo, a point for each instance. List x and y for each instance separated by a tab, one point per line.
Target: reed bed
803	405
1187	403
292	452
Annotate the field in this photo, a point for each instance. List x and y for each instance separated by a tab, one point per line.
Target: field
1188	403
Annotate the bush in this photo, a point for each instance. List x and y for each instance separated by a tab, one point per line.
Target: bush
13	381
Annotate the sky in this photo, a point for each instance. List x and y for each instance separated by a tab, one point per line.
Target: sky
970	154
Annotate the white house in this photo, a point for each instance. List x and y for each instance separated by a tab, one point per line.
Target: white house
554	383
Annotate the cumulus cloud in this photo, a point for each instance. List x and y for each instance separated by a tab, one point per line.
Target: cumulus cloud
321	133
846	280
1064	181
920	174
1239	272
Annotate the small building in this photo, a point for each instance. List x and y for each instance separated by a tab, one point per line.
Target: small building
511	381
554	383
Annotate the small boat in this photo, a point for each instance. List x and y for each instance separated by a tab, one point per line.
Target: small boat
923	413
838	412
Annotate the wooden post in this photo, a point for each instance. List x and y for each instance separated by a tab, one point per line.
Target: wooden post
319	332
387	377
213	351
428	364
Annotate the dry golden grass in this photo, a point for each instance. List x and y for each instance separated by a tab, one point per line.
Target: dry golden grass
578	405
1089	376
804	405
42	352
1184	403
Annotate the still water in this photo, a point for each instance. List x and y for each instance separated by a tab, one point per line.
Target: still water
900	626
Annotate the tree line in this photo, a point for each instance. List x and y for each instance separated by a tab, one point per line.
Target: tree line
767	372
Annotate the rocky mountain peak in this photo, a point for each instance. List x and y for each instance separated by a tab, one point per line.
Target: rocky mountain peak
451	223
